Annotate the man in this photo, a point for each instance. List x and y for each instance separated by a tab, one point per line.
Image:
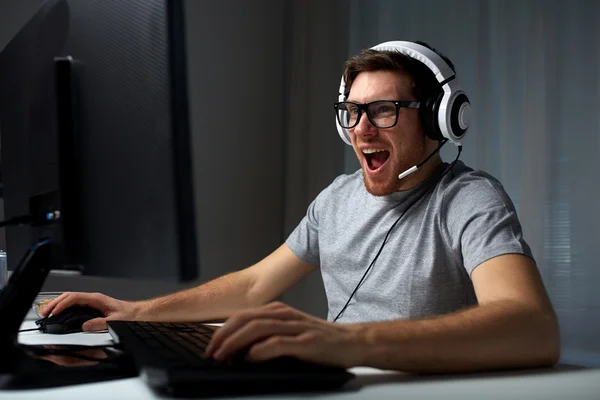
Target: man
427	273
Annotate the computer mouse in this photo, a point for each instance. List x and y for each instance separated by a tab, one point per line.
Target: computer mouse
69	320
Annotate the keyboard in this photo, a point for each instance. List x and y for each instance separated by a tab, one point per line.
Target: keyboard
175	343
170	359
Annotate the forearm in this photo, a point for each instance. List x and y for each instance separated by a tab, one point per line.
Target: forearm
497	335
216	299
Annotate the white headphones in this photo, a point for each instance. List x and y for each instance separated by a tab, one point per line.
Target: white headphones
451	111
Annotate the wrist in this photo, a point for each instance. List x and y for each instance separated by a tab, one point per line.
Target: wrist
360	341
138	309
379	344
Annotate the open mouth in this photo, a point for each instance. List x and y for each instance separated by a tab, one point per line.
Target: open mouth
376	158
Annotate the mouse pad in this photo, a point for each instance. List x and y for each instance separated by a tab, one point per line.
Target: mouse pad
97	338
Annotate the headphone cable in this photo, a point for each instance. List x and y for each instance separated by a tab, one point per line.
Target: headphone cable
390	230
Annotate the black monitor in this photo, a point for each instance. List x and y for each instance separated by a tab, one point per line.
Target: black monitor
94	124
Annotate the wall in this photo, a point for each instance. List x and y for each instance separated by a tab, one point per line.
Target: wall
317	47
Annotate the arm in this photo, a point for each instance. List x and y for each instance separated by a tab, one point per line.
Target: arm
513	326
216	299
239	290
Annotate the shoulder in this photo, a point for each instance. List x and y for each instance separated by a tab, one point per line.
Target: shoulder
347	181
343	186
464	187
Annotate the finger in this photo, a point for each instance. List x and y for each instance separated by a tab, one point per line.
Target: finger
294	346
68	301
80	299
96	324
235	322
50	306
255	331
273	347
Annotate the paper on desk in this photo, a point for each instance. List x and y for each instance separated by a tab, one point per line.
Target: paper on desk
101	338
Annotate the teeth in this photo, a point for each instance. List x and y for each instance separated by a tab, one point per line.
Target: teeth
371	151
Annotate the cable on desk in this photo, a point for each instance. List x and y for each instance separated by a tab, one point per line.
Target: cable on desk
29	330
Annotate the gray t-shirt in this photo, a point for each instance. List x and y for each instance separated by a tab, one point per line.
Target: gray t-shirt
425	266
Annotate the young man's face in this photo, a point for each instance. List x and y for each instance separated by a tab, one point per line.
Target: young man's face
404	144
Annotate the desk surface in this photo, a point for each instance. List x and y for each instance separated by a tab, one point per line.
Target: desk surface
557	383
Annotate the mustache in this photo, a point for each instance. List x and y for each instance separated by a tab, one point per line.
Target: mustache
374	143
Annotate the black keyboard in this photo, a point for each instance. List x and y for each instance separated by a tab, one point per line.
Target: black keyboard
170	358
175	343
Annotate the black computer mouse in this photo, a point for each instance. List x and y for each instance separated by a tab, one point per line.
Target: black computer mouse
69	320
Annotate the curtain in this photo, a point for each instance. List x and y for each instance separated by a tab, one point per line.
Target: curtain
531	69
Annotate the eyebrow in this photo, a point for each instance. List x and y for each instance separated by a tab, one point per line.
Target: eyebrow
382	99
365	102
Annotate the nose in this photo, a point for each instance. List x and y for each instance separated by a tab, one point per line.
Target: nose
364	127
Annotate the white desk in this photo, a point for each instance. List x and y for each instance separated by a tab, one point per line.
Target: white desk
558	383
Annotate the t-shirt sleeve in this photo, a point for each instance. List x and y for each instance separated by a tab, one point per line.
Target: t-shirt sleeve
304	240
481	221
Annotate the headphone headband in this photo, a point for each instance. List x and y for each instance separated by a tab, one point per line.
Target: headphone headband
451	112
431	59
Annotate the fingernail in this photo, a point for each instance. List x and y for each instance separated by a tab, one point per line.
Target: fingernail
218	355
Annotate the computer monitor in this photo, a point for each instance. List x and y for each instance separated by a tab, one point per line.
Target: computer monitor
94	123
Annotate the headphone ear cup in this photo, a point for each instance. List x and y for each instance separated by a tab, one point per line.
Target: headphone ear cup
344	133
460	116
429	117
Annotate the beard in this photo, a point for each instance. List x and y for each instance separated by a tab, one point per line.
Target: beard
390	183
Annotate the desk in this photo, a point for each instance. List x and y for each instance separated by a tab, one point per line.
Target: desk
558	383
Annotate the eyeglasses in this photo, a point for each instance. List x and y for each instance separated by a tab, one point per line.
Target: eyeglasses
381	113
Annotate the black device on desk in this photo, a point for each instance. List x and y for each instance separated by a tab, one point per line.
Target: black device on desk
171	360
93	108
68	321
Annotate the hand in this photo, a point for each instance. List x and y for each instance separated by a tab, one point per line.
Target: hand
68	360
276	330
112	309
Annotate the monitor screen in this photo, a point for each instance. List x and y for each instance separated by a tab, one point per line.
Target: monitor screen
94	121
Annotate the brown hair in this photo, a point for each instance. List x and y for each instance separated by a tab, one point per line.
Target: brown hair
423	83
